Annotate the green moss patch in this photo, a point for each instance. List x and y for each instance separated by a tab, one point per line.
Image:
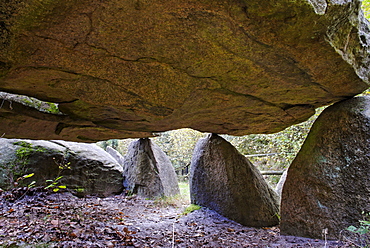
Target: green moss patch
191	208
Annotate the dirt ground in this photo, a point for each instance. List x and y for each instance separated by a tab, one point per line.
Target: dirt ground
63	220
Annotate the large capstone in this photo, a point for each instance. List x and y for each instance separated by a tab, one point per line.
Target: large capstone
224	180
86	169
148	172
123	69
327	185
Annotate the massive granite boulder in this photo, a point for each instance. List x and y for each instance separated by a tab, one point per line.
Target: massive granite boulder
224	180
148	172
327	185
86	168
122	69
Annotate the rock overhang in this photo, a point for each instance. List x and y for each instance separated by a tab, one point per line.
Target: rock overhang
123	69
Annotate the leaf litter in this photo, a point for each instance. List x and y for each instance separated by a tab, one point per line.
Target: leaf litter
64	220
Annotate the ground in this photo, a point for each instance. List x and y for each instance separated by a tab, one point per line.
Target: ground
64	220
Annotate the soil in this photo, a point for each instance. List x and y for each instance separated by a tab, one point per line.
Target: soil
64	220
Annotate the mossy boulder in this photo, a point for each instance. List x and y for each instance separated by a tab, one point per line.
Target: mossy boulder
86	169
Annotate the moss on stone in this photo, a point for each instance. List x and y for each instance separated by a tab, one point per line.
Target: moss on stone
38	13
26	149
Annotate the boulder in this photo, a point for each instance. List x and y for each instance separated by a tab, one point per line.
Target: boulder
86	168
148	172
327	185
224	180
116	155
235	67
279	186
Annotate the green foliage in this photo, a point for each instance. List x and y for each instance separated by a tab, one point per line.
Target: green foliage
366	8
54	184
178	145
363	231
26	149
13	173
23	144
47	107
53	108
285	145
79	190
31	184
191	208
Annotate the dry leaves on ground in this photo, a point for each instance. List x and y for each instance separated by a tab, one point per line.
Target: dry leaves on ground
63	220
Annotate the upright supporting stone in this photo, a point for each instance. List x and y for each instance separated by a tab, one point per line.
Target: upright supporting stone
116	155
225	181
148	172
328	184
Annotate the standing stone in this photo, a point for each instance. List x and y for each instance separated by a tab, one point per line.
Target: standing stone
148	172
224	180
279	186
116	155
328	183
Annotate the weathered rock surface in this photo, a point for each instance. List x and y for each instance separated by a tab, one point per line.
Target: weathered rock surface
116	155
224	180
92	170
148	172
129	68
328	184
280	185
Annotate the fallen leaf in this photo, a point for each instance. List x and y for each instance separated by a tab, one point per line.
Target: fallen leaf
54	222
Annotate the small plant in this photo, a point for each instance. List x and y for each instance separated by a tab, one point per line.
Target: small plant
31	184
79	191
363	231
54	183
278	216
18	192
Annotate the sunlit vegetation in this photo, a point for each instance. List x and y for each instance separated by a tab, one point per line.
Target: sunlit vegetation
366	8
